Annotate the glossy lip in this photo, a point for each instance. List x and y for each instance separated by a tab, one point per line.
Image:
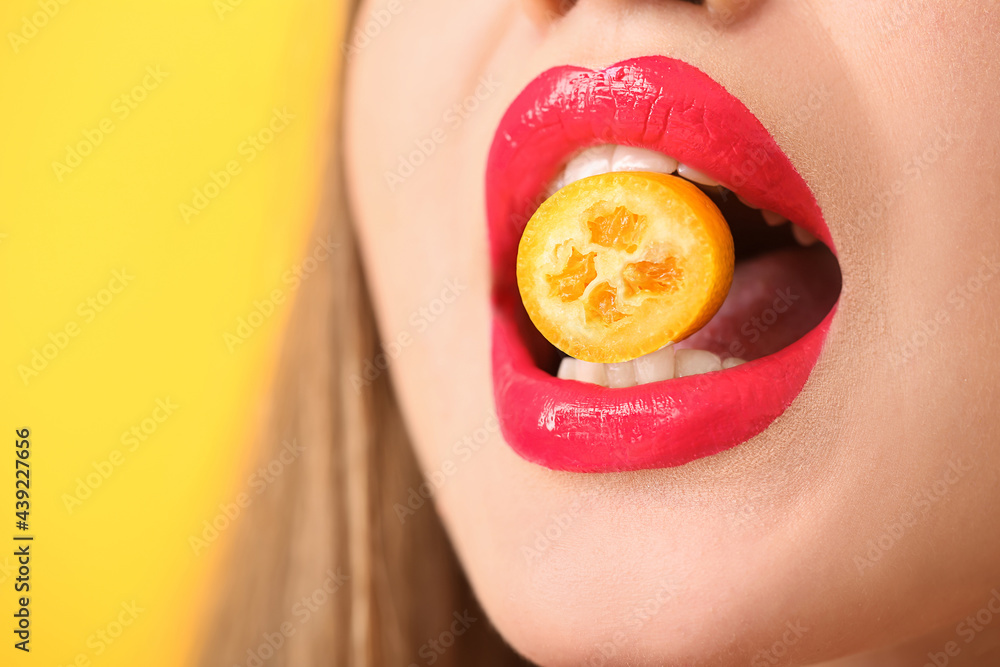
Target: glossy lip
670	106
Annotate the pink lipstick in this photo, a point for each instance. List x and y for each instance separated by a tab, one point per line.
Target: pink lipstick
671	107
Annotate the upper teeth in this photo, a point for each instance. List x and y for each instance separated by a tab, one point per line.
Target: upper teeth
609	157
606	158
693	174
663	364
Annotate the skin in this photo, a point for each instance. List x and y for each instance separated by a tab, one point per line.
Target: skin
712	562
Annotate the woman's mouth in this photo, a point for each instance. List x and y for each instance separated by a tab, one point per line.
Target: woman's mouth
730	380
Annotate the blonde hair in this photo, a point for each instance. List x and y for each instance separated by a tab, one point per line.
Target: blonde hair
322	572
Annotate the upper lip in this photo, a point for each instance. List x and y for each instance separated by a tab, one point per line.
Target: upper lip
670	106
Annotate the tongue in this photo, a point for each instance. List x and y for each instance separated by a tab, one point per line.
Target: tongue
775	299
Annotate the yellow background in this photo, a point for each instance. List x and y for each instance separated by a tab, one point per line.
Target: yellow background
162	335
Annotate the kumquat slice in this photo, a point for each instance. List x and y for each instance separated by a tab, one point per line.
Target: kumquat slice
618	265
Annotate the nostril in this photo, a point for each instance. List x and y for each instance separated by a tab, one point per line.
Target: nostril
545	12
729	10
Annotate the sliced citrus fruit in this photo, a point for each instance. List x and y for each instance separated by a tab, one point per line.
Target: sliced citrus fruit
615	266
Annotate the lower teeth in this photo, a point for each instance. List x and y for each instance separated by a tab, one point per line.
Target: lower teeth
664	364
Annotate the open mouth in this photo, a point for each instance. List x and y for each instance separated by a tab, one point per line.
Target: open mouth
731	379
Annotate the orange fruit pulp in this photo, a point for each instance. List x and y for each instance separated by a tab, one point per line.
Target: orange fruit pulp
615	266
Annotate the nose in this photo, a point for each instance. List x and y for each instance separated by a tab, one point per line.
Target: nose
544	12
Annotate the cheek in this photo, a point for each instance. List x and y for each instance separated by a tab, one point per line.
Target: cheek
417	135
918	287
938	200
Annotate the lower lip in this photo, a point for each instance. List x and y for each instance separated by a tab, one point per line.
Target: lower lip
580	427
